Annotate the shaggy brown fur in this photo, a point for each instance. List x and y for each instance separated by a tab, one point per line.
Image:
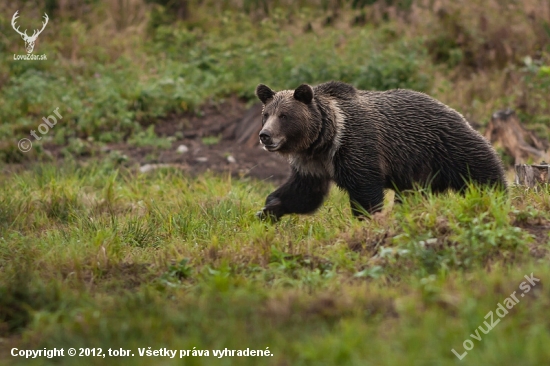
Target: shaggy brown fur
366	142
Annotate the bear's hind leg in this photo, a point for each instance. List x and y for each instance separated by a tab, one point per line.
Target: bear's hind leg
367	199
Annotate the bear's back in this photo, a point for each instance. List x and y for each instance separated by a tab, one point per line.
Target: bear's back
336	90
401	111
408	136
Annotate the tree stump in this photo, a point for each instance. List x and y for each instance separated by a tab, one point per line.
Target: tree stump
532	175
249	127
505	130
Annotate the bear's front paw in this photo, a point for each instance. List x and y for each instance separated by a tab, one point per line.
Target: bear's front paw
272	210
266	215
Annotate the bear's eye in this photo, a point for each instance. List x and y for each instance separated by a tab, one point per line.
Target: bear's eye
282	116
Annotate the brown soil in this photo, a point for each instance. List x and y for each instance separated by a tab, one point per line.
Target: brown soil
539	230
225	121
232	129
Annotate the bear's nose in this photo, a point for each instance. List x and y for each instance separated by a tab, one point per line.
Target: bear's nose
265	137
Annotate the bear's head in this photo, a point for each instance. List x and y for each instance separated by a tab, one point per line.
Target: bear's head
290	119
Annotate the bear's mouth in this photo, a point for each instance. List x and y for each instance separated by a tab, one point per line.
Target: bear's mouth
272	147
276	145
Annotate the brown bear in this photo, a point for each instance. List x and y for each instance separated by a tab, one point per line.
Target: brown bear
368	141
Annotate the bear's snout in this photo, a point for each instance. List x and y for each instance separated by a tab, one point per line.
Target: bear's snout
265	137
271	140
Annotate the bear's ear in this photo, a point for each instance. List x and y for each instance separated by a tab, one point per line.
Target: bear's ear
304	94
264	93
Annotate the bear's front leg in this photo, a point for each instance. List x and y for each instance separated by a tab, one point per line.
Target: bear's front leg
301	194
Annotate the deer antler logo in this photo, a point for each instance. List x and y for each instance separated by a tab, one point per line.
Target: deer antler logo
29	41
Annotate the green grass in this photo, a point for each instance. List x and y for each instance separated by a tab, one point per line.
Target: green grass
92	256
177	70
113	84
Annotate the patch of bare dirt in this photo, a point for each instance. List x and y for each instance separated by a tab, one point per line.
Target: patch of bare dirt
221	138
127	275
232	129
540	231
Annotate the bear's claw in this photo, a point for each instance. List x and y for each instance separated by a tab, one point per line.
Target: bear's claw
265	215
